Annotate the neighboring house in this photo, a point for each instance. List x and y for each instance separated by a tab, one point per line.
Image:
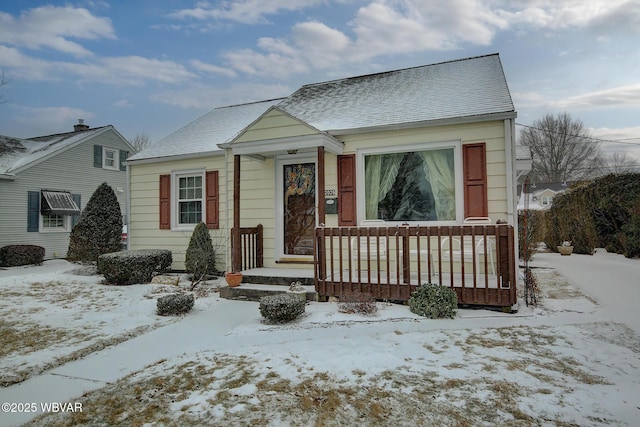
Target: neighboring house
539	196
428	145
45	182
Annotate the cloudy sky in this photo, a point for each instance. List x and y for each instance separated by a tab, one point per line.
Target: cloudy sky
152	66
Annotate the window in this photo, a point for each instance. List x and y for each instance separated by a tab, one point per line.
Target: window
55	222
546	200
52	210
110	159
412	184
188	197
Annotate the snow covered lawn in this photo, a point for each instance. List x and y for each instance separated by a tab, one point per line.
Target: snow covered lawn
559	363
58	312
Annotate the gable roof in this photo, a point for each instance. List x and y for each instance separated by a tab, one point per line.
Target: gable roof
202	136
449	90
17	154
464	89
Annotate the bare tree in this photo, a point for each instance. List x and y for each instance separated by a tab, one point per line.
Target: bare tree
141	141
618	162
562	150
3	82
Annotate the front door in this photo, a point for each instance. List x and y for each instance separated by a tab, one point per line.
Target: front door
299	208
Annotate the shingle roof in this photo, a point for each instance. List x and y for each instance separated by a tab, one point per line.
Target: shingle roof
203	135
448	90
16	152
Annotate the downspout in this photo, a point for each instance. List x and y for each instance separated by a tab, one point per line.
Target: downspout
512	212
127	204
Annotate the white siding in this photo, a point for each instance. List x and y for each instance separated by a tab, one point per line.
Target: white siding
71	170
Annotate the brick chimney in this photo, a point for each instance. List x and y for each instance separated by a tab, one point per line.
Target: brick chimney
80	126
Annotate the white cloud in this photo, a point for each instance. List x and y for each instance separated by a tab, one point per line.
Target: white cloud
243	11
201	97
52	27
213	69
41	121
619	96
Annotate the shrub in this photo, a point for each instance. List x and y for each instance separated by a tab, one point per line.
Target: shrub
281	308
357	303
134	266
528	239
173	304
200	259
434	301
596	215
14	255
99	229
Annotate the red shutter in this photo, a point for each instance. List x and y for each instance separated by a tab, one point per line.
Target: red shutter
213	203
347	190
475	179
165	201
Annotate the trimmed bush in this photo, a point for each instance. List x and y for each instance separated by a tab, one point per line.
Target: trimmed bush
15	255
99	229
434	301
174	304
134	266
281	308
200	259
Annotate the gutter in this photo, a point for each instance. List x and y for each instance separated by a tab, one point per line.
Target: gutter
428	123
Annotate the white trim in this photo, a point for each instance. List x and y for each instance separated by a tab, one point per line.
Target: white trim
175	176
65	229
457	161
280	146
280	161
116	159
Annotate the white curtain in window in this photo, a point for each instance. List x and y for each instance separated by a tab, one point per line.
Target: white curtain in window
439	170
380	174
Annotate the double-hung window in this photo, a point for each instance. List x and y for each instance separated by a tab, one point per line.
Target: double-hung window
189	199
412	183
110	159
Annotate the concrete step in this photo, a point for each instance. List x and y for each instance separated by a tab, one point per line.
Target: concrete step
254	291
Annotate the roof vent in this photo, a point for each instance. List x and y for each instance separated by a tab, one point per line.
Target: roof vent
80	126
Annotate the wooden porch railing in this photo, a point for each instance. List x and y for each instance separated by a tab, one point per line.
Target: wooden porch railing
251	250
476	261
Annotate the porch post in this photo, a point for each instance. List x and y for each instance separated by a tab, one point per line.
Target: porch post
321	201
236	256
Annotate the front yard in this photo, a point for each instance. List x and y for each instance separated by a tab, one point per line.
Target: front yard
556	364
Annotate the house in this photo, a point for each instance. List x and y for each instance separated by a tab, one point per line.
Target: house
423	146
539	196
46	180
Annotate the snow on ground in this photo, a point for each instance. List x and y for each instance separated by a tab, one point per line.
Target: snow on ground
569	361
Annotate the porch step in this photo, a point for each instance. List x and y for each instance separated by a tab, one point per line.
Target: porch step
254	291
278	276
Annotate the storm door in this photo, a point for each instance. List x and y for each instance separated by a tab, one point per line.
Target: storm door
298	207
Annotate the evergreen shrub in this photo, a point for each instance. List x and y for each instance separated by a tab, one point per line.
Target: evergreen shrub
598	214
434	301
15	255
281	308
134	266
174	304
99	229
200	259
